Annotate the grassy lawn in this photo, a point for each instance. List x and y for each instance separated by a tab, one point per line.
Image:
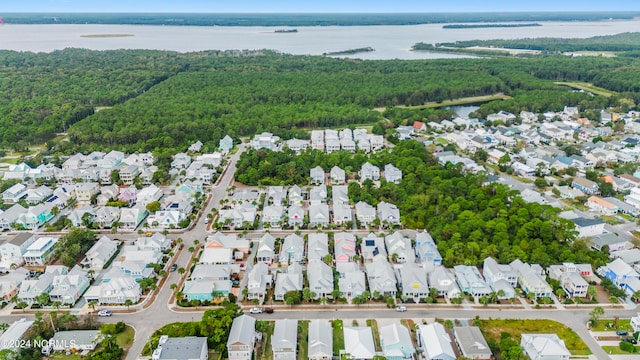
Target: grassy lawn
611	220
125	338
214	355
603	325
587	87
376	335
493	328
338	337
303	332
460	101
267	354
615	350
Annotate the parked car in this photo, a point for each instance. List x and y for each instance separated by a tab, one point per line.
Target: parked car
401	308
621	332
631	340
104	313
173	267
268	310
255	310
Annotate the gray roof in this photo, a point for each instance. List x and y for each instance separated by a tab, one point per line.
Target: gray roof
20	239
285	335
80	337
242	330
189	347
320	338
471	341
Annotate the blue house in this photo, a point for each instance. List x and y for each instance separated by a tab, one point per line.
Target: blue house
395	341
585	185
426	249
619	272
205	289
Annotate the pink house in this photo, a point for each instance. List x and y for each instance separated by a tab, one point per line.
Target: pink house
344	247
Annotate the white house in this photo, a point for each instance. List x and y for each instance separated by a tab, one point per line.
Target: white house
435	342
284	341
544	346
242	338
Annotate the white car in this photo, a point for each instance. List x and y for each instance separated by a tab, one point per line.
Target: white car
401	308
103	313
255	310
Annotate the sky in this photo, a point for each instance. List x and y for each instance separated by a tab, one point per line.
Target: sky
330	6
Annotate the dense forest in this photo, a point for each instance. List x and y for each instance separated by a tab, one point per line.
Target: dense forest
305	19
611	43
163	101
468	220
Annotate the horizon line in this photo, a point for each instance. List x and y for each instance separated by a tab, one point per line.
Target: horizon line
334	12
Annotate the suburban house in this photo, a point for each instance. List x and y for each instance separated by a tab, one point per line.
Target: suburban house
75	340
116	291
338	176
619	272
369	172
10	338
588	227
610	240
351	282
365	213
435	342
531	279
635	323
265	140
392	174
426	249
472	343
601	205
68	288
13	194
284	341
206	289
30	289
413	282
181	348
12	251
317	175
295	195
388	213
320	340
242	338
258	280
585	185
381	277
276	195
10	283
295	215
10	216
99	254
319	215
358	342
399	248
292	249
342	214
444	281
500	277
344	247
39	251
318	195
225	144
371	246
544	346
273	215
266	248
396	343
571	278
239	216
289	279
470	281
317	246
131	218
320	277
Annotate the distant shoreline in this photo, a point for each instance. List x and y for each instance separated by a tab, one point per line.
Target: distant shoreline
350	51
307	19
105	35
482	26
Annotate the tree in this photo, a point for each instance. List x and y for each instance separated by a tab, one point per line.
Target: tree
292	297
128	303
560	293
43	299
592	292
307	294
57	305
596	313
153	206
92	304
66	319
181	270
504	161
540	183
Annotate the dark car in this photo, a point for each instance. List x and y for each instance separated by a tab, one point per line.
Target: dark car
268	310
621	332
174	267
631	340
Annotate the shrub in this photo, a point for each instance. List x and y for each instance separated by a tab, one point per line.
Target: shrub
627	346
